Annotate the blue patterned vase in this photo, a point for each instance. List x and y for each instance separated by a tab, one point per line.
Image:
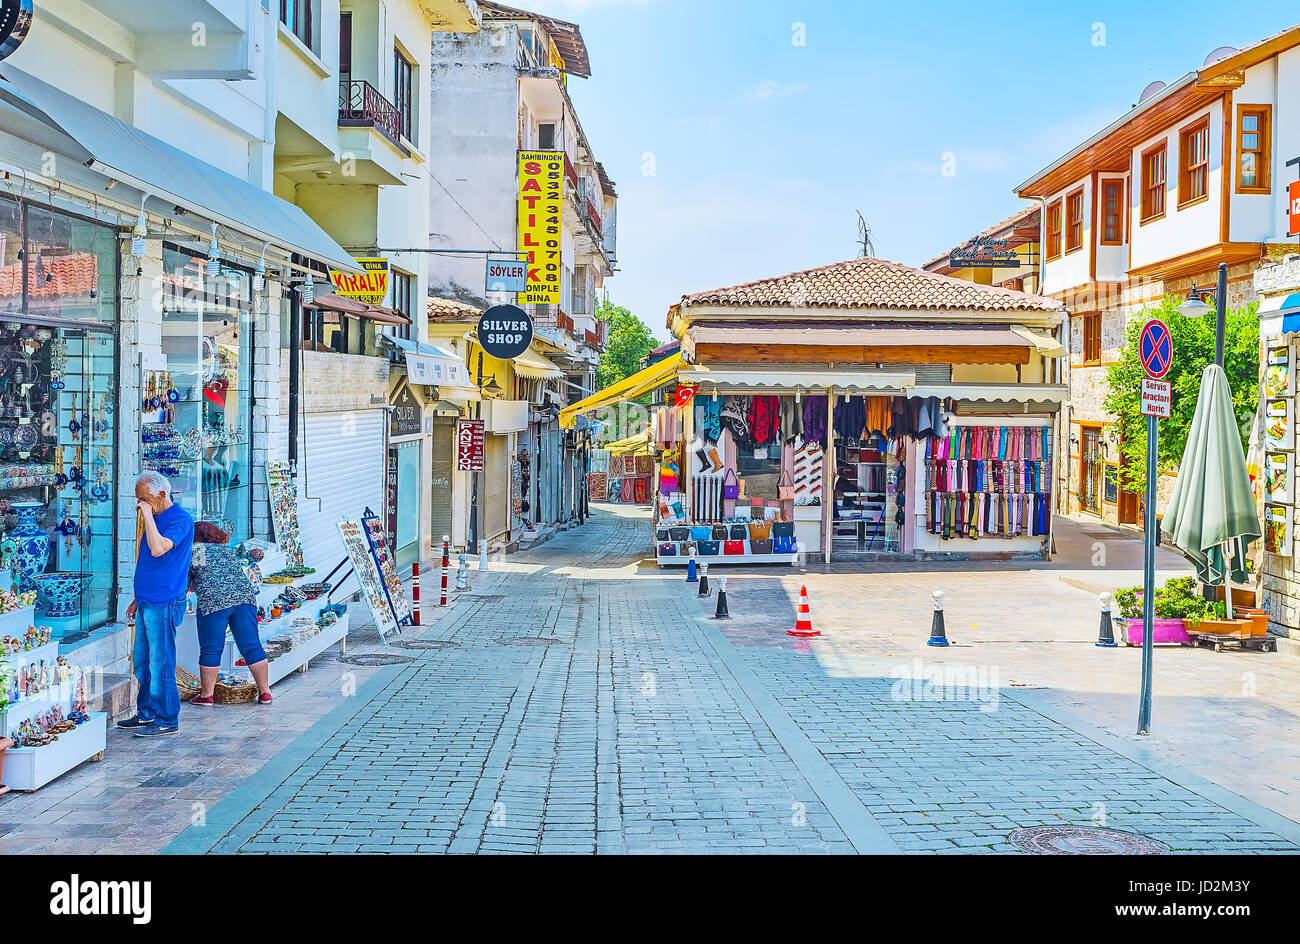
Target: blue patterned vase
33	554
58	595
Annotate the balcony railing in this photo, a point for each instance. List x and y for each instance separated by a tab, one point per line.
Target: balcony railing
570	173
362	106
594	215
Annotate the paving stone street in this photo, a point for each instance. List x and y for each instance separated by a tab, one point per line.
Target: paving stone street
578	700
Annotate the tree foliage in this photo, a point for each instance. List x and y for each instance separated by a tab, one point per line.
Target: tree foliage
627	341
1193	349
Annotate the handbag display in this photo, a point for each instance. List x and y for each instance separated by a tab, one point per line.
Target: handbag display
785	546
708	548
720	532
685	548
782	529
760	545
785	487
667	549
733	548
730	489
679	534
701	532
738	532
760	529
661	534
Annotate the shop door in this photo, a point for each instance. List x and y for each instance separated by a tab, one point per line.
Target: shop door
1091	465
342	474
404	463
444	457
496	486
1128	503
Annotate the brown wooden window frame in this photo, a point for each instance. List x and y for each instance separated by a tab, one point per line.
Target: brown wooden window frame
1092	337
1263	171
1053	235
1074	221
1194	162
1115	184
404	93
1154	192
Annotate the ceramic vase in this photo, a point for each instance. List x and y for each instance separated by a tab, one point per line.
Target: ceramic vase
33	545
58	595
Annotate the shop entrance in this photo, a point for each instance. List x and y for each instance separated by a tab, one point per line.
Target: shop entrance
1091	466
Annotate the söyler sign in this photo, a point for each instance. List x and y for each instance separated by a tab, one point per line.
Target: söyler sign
505	331
506	275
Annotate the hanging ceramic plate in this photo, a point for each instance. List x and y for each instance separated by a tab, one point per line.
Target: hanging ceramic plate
25	436
192	443
6	436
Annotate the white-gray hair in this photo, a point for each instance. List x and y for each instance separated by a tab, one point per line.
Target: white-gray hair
155	482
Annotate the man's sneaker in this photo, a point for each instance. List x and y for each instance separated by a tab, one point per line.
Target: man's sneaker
135	722
203	701
157	730
264	698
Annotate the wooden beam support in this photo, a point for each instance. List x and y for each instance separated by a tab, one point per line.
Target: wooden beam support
851	354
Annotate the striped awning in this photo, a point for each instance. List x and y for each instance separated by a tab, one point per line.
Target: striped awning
1279	314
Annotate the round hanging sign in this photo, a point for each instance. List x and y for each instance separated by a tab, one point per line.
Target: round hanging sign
505	331
15	21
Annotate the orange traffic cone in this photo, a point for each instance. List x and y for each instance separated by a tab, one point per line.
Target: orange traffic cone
803	622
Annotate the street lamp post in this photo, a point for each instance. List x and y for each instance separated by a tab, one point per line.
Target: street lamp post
1195	307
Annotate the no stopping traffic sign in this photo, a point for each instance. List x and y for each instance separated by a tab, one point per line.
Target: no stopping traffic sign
1156	349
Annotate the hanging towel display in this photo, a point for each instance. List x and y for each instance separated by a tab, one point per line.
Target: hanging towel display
988	481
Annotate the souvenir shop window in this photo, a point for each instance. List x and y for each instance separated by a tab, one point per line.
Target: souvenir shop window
57	413
197	404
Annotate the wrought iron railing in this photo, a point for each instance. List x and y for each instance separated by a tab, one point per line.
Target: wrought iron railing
362	105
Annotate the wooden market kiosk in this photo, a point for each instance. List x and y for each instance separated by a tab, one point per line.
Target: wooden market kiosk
864	408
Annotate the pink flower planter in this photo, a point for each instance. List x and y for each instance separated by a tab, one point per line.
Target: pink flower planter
1162	631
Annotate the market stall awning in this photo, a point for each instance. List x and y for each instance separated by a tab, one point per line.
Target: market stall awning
123	152
1044	343
656	375
638	445
1279	314
862	336
768	381
431	366
994	393
350	306
534	366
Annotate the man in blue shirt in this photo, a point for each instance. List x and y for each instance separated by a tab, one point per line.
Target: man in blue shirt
162	568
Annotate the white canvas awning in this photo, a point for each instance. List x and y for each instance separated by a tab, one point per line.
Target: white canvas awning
759	380
994	393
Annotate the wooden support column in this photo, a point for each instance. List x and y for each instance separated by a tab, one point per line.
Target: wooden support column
828	470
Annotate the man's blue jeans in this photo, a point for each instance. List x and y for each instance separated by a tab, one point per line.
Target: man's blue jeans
154	661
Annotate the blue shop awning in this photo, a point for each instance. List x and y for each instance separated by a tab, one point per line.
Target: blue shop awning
1281	313
116	149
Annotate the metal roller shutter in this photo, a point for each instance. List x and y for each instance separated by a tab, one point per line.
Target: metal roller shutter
342	474
496	486
444	458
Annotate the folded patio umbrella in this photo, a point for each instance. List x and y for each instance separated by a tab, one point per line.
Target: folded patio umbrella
1212	504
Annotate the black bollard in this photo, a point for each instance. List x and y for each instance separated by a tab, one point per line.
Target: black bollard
721	611
1106	637
704	580
937	635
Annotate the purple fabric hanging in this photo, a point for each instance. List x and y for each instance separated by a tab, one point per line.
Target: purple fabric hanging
814	420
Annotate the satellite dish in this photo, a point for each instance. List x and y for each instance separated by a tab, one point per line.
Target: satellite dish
1155	88
1223	52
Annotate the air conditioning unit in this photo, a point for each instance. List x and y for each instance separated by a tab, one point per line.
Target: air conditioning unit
505	416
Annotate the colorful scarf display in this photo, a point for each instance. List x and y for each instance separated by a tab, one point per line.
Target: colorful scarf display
988	481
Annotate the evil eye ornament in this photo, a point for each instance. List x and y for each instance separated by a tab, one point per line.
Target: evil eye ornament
172	395
100	493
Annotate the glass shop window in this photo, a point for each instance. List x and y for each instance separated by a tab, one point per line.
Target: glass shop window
201	394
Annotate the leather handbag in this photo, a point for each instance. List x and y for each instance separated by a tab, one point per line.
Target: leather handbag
738	532
733	548
686	547
785	546
730	489
785	487
760	529
661	534
667	549
760	545
782	529
719	532
679	534
708	548
701	532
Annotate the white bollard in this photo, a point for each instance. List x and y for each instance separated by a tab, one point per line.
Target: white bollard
462	571
482	555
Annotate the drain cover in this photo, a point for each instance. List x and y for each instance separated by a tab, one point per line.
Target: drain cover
528	641
1084	840
426	644
375	658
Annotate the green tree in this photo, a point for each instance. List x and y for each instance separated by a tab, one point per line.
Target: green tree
1193	349
627	341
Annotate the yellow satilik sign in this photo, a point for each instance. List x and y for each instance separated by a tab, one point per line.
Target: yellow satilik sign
370	286
541	203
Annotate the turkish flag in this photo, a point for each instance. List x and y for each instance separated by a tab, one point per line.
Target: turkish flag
216	391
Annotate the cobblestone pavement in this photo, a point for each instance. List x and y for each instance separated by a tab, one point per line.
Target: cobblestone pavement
583	703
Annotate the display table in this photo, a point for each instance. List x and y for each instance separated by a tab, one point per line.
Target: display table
714	560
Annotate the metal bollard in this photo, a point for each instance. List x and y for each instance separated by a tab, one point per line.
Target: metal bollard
704	580
462	572
1106	636
721	612
938	637
482	555
415	593
446	560
692	571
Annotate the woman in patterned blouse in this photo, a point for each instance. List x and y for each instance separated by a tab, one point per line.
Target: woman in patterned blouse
226	599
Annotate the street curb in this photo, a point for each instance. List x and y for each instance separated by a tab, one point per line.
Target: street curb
1260	815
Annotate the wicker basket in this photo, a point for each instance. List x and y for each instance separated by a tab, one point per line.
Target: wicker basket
187	684
241	694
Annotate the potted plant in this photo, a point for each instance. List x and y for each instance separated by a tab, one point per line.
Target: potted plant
1174	605
1216	623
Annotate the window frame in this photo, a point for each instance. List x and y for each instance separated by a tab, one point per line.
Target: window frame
1187	136
1117	183
403	289
1053	243
1263	172
303	16
1091	338
1072	226
404	93
1149	214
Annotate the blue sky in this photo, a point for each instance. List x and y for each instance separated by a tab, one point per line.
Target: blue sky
738	154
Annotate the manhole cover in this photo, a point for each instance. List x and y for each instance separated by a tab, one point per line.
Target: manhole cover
426	644
1084	840
528	641
374	658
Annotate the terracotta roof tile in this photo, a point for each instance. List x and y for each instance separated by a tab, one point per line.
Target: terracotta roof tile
449	309
870	283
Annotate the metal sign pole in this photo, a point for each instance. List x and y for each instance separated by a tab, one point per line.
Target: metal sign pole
1149	579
